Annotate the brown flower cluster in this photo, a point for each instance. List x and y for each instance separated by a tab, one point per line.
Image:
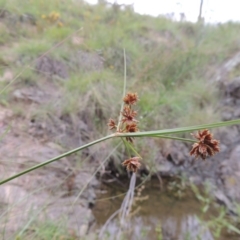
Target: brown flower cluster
206	145
132	164
130	98
111	124
128	122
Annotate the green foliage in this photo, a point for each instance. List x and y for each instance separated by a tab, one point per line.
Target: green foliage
158	230
172	61
32	49
45	231
57	33
222	221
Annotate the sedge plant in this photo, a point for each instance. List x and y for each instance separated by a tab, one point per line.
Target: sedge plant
204	146
126	128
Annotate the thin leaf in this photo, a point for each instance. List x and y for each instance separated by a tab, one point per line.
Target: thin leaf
55	159
178	130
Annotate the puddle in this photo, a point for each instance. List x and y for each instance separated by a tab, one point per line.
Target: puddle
155	211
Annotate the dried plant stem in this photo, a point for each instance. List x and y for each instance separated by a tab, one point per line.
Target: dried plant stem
95	172
128	200
125	209
103	229
127	204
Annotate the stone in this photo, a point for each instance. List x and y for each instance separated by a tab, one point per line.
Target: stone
233	88
227	67
237	113
88	61
30	95
49	67
7	76
231	177
227	115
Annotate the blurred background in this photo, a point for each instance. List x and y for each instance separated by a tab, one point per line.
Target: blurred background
61	79
213	11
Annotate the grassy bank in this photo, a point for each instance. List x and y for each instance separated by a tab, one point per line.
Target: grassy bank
62	65
169	63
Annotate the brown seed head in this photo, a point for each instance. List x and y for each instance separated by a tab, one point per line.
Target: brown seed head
111	124
206	145
132	164
128	115
131	127
130	98
128	122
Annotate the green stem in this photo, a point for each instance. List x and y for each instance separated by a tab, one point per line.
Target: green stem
176	138
93	175
124	89
56	158
178	130
129	145
158	133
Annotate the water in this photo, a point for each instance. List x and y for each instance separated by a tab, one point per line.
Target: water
155	213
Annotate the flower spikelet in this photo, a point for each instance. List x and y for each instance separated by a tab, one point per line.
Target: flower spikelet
131	127
132	164
128	115
130	98
111	124
206	145
127	122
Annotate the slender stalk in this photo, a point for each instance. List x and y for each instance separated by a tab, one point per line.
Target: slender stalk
129	145
107	223
127	204
175	138
157	133
95	172
55	159
124	89
178	130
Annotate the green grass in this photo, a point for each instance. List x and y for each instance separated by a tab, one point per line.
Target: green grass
32	49
47	230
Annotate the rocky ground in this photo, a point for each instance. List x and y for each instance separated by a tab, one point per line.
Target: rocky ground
49	193
65	191
222	170
55	188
